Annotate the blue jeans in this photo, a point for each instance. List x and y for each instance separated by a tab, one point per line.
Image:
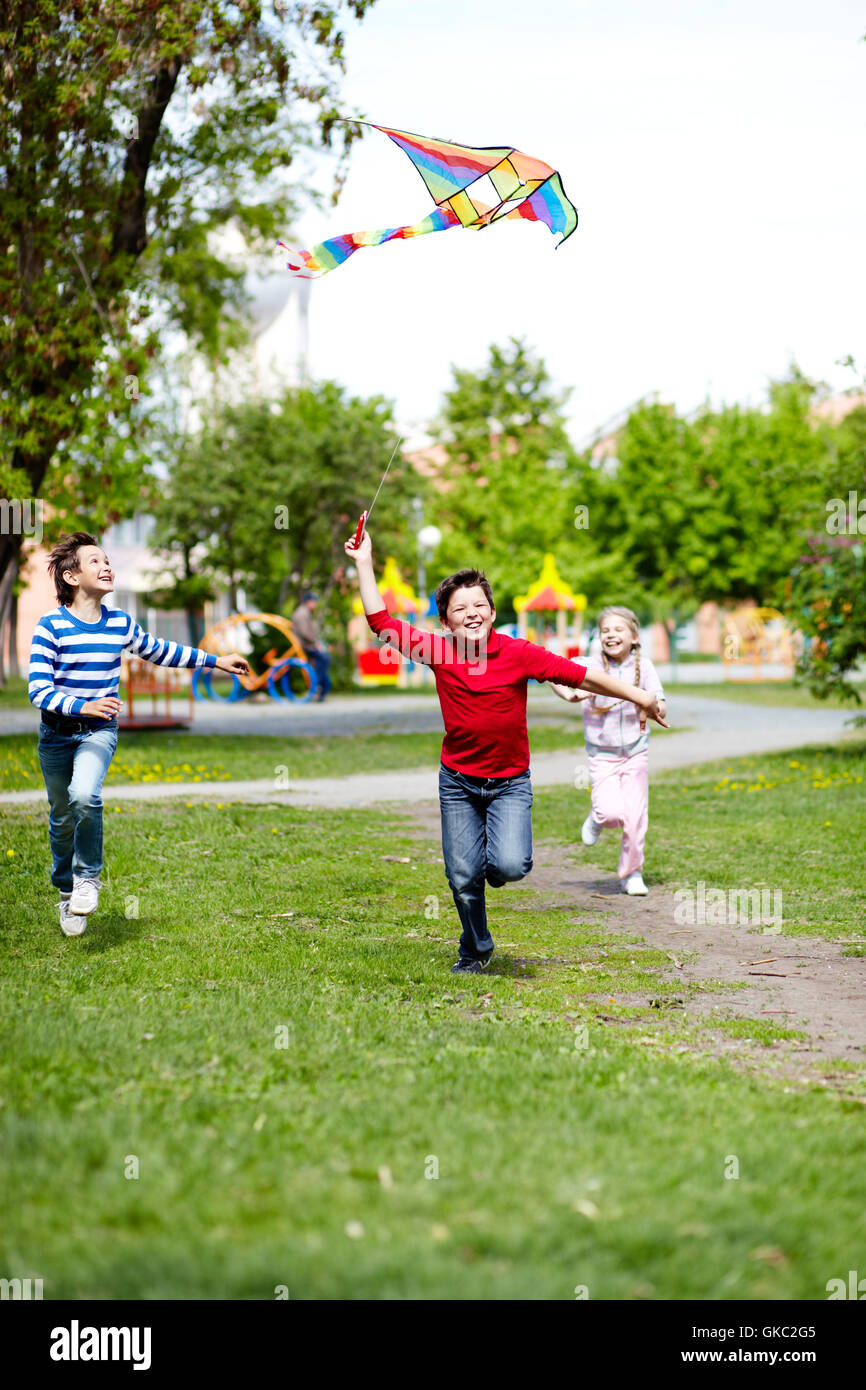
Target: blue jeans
74	768
321	664
486	838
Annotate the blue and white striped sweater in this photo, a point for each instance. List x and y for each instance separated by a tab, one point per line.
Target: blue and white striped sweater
72	662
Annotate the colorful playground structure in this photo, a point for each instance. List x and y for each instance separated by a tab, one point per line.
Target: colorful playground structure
550	613
377	665
235	634
757	644
159	684
550	596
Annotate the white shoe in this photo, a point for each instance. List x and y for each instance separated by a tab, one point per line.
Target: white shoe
590	830
70	923
634	885
85	896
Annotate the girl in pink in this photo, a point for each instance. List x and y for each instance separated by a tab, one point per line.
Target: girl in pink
617	744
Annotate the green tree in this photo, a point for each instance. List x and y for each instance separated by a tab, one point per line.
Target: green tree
513	483
827	603
716	506
826	592
128	134
265	496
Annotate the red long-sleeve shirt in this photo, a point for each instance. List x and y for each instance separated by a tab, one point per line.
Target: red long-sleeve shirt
483	700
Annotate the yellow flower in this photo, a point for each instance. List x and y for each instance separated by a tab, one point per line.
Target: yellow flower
10	854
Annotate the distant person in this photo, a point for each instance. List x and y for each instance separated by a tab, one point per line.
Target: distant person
306	629
617	745
485	792
74	679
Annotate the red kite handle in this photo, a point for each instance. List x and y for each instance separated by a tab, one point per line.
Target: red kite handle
360	531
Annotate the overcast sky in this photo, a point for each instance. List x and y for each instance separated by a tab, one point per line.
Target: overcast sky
713	148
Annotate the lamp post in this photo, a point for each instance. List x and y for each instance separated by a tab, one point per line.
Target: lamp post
428	539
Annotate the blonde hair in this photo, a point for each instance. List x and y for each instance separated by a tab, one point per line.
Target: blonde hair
613	611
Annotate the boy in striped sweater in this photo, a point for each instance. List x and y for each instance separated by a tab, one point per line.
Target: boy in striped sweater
74	679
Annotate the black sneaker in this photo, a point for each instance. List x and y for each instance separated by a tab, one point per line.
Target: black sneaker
485	960
467	967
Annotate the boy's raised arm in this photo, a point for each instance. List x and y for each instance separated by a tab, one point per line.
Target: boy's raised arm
363	558
415	644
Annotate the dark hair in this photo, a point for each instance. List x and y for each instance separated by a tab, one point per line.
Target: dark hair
463	579
64	557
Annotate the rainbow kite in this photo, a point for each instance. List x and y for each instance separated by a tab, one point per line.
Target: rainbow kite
470	187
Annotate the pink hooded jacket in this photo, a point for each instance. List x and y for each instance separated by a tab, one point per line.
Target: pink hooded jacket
615	732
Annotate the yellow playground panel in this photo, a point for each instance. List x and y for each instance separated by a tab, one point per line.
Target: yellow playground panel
757	644
551	594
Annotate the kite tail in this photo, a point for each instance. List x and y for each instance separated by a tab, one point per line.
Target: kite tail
310	265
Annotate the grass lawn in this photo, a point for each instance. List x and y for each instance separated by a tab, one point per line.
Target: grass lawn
264	1028
179	757
166	756
13	695
794	821
764	693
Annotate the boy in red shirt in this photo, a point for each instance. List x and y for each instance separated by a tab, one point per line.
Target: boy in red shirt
485	792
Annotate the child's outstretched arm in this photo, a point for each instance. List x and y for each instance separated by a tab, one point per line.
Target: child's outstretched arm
161	652
570	693
600	683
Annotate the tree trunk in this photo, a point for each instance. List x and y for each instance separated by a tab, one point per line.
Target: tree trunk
130	238
194	625
7	581
286	579
14	667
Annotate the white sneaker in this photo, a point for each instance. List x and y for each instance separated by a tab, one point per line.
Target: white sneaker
590	830
85	896
634	885
70	923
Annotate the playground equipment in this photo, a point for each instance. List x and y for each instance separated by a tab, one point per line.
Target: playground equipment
758	638
235	634
377	665
551	594
159	682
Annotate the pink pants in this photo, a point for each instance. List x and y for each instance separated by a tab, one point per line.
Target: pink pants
620	797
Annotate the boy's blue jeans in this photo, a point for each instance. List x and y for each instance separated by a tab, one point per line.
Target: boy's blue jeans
74	768
486	838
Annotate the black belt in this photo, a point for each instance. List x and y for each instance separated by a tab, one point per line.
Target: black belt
65	724
481	781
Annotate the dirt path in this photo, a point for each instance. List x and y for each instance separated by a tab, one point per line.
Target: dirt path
813	988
